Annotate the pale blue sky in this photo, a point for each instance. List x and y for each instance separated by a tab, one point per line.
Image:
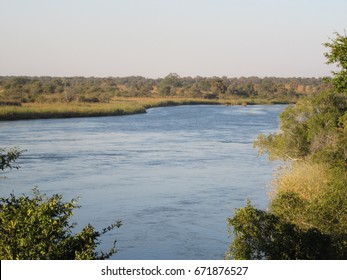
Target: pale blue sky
153	38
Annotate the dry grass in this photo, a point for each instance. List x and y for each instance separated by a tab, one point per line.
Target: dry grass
68	110
308	180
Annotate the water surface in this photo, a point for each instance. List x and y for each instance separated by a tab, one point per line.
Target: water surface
172	176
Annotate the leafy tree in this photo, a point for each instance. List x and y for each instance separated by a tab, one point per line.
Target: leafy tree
312	129
262	235
7	158
173	79
38	228
337	55
267	87
168	85
218	86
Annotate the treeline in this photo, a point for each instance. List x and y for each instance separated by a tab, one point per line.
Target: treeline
82	89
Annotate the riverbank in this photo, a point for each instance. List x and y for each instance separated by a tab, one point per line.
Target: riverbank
116	107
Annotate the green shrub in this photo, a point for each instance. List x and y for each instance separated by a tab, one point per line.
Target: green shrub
38	227
7	158
261	235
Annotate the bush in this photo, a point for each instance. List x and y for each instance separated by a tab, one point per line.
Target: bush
38	227
7	158
262	235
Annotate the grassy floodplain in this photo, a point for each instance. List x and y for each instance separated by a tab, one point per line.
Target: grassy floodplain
116	107
67	110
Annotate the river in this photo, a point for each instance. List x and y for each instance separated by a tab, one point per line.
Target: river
172	176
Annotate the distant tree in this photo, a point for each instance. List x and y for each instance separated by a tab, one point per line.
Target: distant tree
173	79
68	95
218	86
35	87
195	91
204	84
267	87
242	89
166	90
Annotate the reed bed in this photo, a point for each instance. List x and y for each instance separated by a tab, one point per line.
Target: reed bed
117	107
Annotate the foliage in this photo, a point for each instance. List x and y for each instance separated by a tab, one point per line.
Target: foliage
65	97
312	195
7	158
16	90
307	218
337	55
314	128
38	228
262	235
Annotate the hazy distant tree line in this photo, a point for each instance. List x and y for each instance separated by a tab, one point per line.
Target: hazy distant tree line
82	89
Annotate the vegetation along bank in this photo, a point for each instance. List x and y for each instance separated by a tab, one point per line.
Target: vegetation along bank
54	97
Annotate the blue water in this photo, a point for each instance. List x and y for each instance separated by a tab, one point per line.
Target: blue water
172	176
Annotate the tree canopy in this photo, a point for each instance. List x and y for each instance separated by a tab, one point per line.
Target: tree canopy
337	55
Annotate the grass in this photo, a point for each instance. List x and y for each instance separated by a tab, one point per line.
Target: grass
308	180
117	107
70	110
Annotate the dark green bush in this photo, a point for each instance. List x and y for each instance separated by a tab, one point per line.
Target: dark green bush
38	227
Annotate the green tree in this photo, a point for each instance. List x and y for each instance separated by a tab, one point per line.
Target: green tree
169	84
173	79
218	86
38	227
263	235
7	158
337	55
312	129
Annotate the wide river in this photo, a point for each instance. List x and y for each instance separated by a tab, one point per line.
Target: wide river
172	176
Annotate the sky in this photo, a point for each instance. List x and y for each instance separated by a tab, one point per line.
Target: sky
152	38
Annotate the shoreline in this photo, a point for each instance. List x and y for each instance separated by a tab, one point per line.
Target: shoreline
121	107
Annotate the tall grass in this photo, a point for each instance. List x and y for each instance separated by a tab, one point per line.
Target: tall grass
117	107
308	180
68	110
